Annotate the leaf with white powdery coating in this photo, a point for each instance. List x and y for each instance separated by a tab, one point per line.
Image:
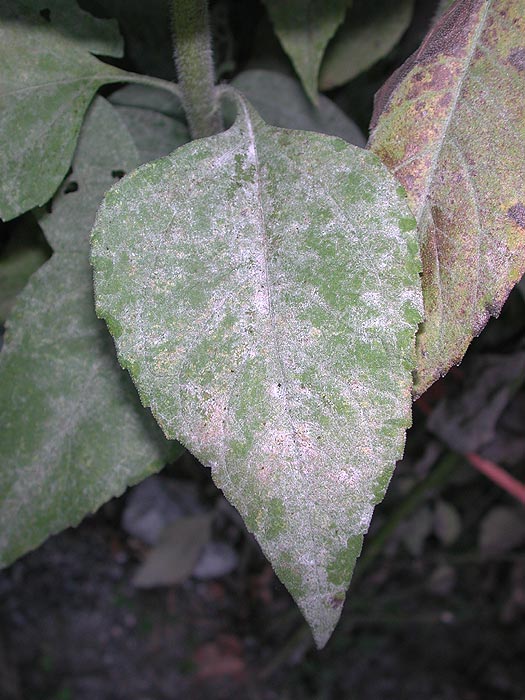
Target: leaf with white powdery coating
281	101
304	28
450	124
47	81
262	286
72	430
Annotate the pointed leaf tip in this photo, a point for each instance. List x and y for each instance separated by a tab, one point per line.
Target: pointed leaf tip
304	28
265	286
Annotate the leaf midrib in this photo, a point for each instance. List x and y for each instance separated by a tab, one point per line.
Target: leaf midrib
452	112
275	340
51	83
424	200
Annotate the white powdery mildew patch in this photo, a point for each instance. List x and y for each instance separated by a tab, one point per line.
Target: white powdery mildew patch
265	334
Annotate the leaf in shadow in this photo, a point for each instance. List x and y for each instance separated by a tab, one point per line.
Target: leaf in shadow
281	101
49	77
72	430
370	30
304	28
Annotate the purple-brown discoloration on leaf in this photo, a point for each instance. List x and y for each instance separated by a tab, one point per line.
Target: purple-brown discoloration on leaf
517	58
336	602
446	38
517	214
450	123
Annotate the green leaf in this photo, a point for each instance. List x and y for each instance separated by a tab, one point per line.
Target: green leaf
304	28
262	286
146	29
280	101
154	119
370	30
48	80
24	253
98	36
72	431
450	124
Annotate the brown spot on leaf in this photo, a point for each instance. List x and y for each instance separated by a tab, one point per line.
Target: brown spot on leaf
449	36
436	80
493	308
336	601
517	214
439	218
517	58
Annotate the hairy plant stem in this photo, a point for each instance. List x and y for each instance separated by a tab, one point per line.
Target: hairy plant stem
194	63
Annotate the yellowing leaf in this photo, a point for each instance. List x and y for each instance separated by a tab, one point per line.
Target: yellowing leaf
262	286
173	558
450	124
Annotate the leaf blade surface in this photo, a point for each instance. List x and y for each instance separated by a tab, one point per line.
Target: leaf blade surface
49	77
266	305
304	28
155	123
72	431
281	101
369	32
451	127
